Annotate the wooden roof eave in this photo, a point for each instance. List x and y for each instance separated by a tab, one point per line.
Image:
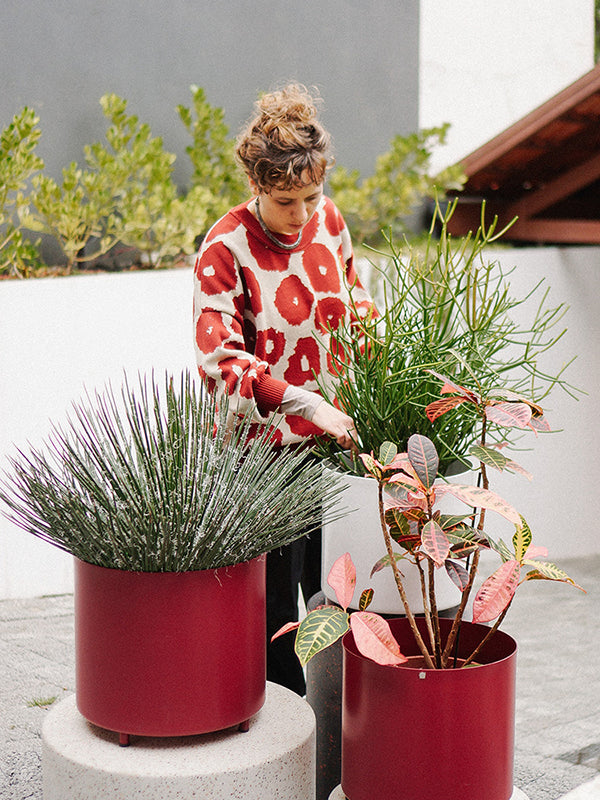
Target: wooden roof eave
530	124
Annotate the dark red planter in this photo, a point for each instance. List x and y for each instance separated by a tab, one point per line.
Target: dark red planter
170	654
422	734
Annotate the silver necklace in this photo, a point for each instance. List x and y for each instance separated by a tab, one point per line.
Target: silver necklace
274	239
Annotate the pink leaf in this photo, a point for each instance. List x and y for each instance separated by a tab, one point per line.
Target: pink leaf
512	466
539	423
400	461
481	498
439	407
407	504
289	626
374	638
509	415
450	386
435	543
407	482
496	592
536	551
342	579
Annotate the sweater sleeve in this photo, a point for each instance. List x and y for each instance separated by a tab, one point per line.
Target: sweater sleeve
222	344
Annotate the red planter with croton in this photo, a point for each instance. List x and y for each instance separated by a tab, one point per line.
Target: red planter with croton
425	734
167	653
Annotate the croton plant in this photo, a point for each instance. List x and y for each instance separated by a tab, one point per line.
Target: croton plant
409	493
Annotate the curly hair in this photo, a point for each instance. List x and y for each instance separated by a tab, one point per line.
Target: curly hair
285	145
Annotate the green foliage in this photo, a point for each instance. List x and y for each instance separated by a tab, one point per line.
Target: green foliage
18	163
318	630
126	194
135	168
155	479
74	212
125	191
401	181
444	308
212	155
164	225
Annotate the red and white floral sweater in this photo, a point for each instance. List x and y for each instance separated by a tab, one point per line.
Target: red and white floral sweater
259	310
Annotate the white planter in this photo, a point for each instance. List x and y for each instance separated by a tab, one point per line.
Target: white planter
359	533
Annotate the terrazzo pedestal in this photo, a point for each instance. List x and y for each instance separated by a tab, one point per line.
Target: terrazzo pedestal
338	794
274	759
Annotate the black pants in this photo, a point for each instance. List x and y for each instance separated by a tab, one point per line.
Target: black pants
297	564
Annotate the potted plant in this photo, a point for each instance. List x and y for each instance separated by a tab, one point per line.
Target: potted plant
168	510
442	306
428	703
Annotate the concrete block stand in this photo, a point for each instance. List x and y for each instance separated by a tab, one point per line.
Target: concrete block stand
338	794
274	759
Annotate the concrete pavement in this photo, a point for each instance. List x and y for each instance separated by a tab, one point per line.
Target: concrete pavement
558	685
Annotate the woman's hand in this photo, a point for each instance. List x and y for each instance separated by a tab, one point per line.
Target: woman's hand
336	424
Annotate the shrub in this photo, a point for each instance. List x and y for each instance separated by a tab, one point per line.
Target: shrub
73	213
212	155
125	192
381	204
18	162
149	215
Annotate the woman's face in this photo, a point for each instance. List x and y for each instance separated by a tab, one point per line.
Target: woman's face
288	210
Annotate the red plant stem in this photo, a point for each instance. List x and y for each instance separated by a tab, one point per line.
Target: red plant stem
398	578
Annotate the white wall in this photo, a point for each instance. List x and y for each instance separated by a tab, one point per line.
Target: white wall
59	335
559	503
484	65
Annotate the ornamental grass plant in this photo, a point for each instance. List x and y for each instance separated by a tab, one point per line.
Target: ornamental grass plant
154	478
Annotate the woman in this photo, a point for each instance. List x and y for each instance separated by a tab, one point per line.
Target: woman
271	278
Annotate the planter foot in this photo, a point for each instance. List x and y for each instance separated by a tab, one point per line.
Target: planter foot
244	726
124	740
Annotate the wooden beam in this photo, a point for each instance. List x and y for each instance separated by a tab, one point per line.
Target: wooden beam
467	217
553	108
562	186
556	231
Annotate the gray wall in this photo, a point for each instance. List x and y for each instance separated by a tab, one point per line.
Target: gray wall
61	56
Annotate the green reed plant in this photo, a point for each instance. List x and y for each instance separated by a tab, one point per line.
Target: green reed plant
444	307
155	478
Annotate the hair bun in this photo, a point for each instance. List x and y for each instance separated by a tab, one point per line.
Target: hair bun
289	108
285	145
